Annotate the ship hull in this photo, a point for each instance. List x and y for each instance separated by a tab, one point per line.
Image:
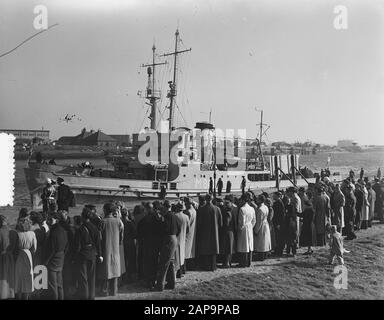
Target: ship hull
97	190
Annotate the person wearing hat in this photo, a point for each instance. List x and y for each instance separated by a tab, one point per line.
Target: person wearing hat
48	196
208	224
64	195
243	184
183	221
349	212
111	237
228	231
359	194
372	202
366	205
56	246
278	222
247	220
166	274
190	241
322	208
296	202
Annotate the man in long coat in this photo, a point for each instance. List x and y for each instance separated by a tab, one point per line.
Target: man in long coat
349	212
372	201
262	235
278	222
149	230
247	220
209	222
227	233
359	205
112	236
321	206
183	222
64	195
190	241
338	203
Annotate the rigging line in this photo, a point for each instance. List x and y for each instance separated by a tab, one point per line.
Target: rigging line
177	106
145	116
26	40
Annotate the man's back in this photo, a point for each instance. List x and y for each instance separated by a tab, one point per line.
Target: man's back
57	244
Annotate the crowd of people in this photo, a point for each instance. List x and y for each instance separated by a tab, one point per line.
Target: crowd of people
157	242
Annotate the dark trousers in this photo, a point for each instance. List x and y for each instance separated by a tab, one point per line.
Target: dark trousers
151	252
55	285
110	286
87	279
291	245
260	256
349	229
140	259
280	243
190	264
130	260
245	259
227	259
166	267
208	262
357	219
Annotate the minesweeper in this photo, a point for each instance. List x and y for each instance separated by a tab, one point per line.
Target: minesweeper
195	160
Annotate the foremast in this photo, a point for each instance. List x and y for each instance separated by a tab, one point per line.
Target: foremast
172	84
152	95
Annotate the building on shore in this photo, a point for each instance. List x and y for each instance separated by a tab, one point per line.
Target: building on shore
27	136
346	143
95	138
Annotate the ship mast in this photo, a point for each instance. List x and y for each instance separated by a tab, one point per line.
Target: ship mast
152	94
172	84
261	124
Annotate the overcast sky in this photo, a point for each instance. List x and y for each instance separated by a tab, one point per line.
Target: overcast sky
285	57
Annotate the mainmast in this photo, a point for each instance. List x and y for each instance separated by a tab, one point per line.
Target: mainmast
152	94
172	84
261	124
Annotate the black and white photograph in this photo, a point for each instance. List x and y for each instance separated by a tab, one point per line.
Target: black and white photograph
213	151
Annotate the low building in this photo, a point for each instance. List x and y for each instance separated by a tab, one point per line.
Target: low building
28	135
95	138
346	143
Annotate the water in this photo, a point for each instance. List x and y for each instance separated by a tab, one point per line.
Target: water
340	162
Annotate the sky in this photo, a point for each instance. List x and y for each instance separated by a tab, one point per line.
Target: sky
312	81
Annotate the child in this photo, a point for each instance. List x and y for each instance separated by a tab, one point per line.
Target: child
336	245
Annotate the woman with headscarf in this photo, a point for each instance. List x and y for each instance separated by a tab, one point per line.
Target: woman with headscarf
8	243
271	213
27	244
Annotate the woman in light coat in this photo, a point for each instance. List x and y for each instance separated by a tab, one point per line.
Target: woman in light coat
365	212
262	235
247	220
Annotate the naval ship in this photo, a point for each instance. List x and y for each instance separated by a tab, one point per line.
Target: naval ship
191	173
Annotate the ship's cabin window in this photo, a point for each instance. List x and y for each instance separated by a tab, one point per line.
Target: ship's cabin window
258	177
255	177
